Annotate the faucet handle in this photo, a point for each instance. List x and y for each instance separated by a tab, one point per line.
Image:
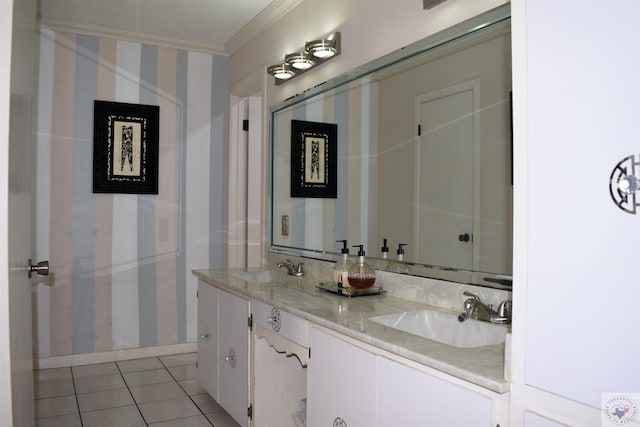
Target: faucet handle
470	294
504	309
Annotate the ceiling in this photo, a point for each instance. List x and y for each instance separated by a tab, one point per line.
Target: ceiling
210	24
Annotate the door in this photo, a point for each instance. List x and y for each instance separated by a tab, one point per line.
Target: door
341	383
246	184
445	154
233	355
17	47
208	338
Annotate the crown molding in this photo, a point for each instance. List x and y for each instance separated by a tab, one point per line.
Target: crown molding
118	34
265	19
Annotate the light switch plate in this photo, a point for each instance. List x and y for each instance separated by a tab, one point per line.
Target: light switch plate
285	225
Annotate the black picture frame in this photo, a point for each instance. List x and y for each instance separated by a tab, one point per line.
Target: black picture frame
125	148
314	158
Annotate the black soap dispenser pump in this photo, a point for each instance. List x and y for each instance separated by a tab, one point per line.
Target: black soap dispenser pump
361	275
400	251
384	249
400	266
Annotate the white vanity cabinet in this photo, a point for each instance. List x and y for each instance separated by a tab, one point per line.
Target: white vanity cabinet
408	397
352	386
223	349
341	388
208	338
280	358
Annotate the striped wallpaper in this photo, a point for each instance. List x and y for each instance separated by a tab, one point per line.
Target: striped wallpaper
316	223
121	264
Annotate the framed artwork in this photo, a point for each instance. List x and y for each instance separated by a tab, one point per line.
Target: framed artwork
125	148
314	158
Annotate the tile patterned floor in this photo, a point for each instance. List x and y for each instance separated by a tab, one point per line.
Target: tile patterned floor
156	391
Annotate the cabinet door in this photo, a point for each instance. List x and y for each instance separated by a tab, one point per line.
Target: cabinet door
410	398
341	383
208	338
233	355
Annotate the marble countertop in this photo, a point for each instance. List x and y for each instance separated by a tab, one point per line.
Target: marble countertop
483	366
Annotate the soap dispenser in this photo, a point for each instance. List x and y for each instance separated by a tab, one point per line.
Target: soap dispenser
400	266
384	250
361	275
341	269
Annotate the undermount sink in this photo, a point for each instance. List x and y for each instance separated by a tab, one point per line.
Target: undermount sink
264	276
445	328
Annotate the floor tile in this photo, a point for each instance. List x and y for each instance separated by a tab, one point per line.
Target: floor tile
104	400
101	383
206	403
197	421
222	419
53	388
154	392
184	372
41	375
179	360
136	365
192	386
72	420
99	369
156	376
125	416
165	410
55	406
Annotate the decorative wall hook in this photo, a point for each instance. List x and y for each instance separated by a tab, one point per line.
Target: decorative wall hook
624	184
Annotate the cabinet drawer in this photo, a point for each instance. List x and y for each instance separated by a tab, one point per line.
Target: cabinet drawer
289	326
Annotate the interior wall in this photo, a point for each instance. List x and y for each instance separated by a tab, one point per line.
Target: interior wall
121	263
370	29
488	62
317	223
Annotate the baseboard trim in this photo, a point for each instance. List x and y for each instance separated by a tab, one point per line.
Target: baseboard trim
113	356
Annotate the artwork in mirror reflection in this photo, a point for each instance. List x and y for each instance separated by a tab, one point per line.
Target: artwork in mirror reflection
423	158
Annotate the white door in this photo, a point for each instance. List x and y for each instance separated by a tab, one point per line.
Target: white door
246	184
17	29
233	356
445	183
208	338
341	383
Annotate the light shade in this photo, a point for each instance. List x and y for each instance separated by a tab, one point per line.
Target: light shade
281	71
323	48
299	60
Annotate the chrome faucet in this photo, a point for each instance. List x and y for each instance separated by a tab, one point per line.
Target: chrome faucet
474	308
292	269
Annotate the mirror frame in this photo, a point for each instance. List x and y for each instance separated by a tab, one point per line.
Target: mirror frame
473	25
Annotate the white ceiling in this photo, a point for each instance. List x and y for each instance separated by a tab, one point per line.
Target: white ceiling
203	22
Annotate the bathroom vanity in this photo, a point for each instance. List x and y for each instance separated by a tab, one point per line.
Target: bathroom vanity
268	341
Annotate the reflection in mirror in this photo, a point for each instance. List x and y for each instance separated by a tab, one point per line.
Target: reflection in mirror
423	159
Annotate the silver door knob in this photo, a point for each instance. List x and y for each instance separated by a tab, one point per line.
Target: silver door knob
204	336
231	357
41	268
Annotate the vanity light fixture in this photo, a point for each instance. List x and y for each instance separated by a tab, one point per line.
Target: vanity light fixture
299	60
315	53
323	48
281	72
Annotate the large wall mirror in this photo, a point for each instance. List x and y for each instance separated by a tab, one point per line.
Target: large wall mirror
420	146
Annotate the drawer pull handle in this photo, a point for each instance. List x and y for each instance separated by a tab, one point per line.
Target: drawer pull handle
274	319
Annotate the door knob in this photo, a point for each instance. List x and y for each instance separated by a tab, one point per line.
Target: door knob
231	357
466	237
41	268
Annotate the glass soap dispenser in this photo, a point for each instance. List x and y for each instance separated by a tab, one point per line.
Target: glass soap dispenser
400	266
341	269
361	275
